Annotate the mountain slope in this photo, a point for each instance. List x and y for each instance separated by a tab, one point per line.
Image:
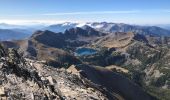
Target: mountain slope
54	47
6	34
113	82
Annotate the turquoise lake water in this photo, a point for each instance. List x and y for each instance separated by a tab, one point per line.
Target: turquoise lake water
85	51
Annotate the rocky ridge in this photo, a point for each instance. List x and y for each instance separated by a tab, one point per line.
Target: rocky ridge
32	80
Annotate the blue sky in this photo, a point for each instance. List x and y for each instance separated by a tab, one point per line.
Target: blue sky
120	11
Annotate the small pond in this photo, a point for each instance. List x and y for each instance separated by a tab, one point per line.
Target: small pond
85	51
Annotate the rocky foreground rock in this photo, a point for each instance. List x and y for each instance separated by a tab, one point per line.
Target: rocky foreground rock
26	79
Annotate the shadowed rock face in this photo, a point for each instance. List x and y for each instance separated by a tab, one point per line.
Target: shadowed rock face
114	82
67	39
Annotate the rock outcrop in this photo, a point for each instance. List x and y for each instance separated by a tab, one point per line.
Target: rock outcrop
32	80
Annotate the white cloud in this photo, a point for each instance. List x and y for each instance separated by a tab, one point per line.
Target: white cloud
34	22
110	12
75	13
52	18
93	12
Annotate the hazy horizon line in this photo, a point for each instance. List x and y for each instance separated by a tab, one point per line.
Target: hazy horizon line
50	22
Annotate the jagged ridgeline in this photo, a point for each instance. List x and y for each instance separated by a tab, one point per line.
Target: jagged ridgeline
33	80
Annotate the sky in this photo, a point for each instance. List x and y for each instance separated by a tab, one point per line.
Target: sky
55	11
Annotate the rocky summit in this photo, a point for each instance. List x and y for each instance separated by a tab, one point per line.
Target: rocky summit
32	80
27	79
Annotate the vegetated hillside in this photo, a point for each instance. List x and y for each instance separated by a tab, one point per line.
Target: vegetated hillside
152	69
114	40
30	79
146	57
113	82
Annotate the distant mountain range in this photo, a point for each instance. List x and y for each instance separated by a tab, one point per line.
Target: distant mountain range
12	26
11	34
146	30
60	27
166	26
16	32
26	31
112	27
